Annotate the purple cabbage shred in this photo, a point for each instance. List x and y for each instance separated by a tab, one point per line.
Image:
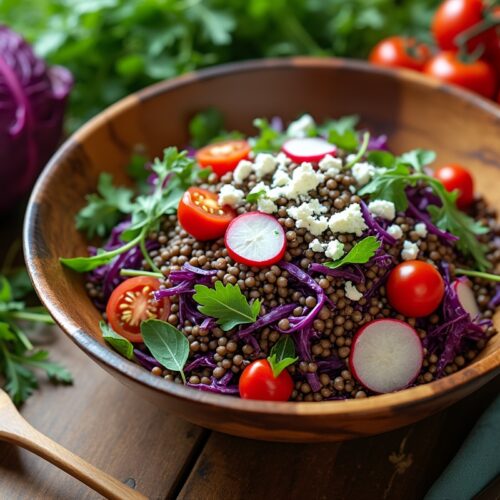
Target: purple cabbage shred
374	227
206	361
146	360
221	386
355	275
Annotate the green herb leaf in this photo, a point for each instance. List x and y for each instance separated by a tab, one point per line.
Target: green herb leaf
342	132
282	355
254	196
381	159
227	304
168	345
269	140
418	158
117	342
278	366
360	253
105	209
361	151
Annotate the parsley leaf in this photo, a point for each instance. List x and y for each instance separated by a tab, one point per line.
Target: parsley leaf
116	341
227	304
269	140
282	355
360	253
254	196
418	158
342	132
104	209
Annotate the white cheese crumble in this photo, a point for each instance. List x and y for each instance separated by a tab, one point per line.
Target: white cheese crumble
350	220
304	217
231	196
266	205
410	250
395	231
351	292
330	165
264	164
300	127
304	179
316	246
283	160
363	172
382	208
335	249
242	171
421	229
281	178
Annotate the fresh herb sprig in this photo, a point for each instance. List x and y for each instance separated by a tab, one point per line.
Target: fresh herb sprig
18	357
342	132
227	304
175	173
282	354
360	253
116	341
391	185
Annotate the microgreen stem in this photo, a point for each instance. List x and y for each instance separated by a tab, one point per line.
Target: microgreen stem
478	274
31	316
361	151
136	272
145	253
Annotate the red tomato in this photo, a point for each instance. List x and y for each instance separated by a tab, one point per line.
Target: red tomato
258	382
455	16
200	214
415	288
477	76
400	52
131	303
223	156
454	176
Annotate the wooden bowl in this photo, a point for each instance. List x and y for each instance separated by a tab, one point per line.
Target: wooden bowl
416	113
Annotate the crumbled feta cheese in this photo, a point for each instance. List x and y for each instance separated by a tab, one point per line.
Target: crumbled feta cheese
350	220
334	250
317	207
330	165
260	186
351	292
301	126
266	205
281	178
382	208
352	189
395	231
363	172
304	217
301	212
283	160
242	171
304	179
264	164
421	229
231	196
410	250
316	246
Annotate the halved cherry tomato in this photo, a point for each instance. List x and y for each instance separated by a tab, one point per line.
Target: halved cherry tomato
258	382
223	156
200	214
400	52
415	288
454	176
131	303
453	17
477	76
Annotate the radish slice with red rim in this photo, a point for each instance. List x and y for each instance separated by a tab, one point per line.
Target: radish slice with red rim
386	355
311	149
466	297
255	239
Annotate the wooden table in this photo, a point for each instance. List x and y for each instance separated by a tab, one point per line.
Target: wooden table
165	457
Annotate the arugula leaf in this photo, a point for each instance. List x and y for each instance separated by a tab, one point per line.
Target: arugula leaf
105	209
116	341
269	140
360	253
227	304
254	196
168	345
342	132
418	158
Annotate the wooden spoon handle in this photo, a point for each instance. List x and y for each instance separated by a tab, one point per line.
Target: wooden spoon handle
29	438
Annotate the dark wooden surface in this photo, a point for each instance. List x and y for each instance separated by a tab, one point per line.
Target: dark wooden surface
114	429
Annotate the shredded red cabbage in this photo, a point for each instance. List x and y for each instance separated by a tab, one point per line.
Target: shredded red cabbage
377	143
276	314
303	342
495	300
146	360
218	386
356	277
330	365
206	361
374	227
433	229
313	380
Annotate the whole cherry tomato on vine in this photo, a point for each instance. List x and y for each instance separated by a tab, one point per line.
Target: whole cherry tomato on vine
400	52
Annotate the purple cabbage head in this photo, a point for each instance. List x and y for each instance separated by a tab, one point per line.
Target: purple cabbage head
32	103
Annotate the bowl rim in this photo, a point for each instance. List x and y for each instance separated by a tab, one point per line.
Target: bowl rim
106	356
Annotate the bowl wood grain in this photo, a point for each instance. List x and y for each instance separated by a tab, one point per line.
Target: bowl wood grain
413	110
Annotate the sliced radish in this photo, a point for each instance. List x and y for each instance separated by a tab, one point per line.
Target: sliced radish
255	239
386	355
310	149
466	297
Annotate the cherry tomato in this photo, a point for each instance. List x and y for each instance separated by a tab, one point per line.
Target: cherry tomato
477	76
454	17
258	382
131	303
200	214
415	288
454	176
223	156
400	52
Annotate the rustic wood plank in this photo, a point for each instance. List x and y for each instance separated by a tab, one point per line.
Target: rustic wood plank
398	464
104	423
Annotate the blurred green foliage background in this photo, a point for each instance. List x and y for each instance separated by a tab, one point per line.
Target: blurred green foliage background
114	47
